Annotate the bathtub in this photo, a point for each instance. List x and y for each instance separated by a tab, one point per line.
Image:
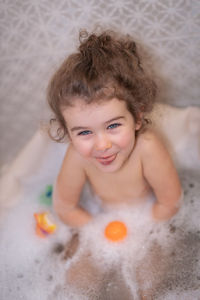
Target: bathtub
154	261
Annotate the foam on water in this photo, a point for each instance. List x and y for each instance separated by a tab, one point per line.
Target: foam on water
162	259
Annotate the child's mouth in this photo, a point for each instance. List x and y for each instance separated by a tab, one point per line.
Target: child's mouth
106	160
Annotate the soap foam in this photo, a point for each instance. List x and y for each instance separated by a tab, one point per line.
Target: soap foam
166	254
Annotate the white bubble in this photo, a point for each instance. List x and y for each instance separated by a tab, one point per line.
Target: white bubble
166	254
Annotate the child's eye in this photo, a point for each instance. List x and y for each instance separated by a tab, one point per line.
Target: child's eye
85	132
114	125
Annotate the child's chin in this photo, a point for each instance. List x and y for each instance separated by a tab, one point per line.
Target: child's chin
113	167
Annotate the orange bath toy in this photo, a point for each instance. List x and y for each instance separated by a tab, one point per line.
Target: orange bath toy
115	231
44	226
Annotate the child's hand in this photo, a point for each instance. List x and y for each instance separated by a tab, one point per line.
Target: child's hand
73	216
163	212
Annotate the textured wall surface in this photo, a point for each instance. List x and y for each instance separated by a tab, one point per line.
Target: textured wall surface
36	35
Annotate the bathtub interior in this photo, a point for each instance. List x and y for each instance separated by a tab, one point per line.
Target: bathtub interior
157	260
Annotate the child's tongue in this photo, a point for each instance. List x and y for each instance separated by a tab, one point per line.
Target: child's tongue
106	160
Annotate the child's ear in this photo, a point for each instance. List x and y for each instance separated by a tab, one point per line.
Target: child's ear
69	137
139	122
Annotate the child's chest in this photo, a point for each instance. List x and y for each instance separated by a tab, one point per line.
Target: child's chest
127	185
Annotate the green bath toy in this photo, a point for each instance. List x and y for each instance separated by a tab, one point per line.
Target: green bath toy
46	197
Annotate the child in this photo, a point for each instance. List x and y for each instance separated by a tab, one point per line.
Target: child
100	96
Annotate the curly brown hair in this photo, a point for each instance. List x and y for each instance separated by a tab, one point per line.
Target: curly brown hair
106	66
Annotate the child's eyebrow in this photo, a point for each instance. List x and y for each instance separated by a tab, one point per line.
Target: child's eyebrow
85	128
115	119
78	128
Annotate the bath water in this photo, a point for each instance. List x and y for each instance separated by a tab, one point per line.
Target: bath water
158	260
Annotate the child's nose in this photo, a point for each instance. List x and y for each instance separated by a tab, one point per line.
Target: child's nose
102	143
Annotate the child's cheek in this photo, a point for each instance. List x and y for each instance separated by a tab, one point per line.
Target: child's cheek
126	140
83	148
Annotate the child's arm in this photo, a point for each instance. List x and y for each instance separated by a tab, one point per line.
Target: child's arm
68	188
162	176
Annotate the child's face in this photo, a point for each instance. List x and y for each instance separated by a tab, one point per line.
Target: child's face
103	133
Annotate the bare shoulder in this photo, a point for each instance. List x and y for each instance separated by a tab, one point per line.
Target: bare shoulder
150	142
72	162
72	156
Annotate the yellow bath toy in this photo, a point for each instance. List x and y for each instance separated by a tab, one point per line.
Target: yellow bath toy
115	231
44	225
